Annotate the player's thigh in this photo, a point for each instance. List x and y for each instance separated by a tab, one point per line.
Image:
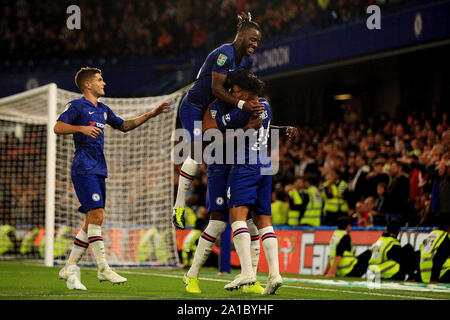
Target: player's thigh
242	187
263	204
191	116
90	191
238	213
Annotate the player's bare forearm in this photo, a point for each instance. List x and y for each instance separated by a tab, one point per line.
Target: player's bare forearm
65	128
131	124
221	93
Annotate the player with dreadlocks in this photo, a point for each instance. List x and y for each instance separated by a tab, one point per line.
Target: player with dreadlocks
209	85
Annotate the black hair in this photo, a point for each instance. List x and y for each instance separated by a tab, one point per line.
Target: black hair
246	80
393	227
245	22
343	222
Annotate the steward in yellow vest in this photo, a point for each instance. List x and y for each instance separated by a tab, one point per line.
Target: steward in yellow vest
342	260
8	240
334	191
313	199
280	209
296	202
391	261
435	254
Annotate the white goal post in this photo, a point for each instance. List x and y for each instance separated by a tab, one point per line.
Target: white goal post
37	200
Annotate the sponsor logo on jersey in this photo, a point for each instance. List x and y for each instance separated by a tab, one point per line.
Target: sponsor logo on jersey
213	114
221	59
96	124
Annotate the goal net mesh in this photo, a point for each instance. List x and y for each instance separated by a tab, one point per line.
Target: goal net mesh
137	227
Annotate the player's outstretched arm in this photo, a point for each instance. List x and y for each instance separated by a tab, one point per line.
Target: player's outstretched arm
65	128
291	132
131	124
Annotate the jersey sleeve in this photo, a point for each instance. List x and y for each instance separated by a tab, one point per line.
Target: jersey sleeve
232	120
223	61
69	114
113	120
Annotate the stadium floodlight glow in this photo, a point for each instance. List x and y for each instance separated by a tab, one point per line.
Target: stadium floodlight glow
139	185
343	97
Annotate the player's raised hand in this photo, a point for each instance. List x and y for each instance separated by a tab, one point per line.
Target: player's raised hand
91	131
253	107
291	133
162	108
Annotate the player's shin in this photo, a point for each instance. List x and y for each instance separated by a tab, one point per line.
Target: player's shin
80	245
98	247
270	245
241	241
187	175
204	247
255	247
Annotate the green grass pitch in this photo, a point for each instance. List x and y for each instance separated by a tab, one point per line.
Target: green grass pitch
24	280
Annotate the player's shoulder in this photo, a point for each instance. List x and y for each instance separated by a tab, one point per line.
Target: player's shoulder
74	104
225	49
218	105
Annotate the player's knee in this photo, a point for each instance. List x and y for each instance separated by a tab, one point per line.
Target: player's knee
95	216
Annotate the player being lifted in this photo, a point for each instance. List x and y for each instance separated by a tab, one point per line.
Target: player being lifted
244	85
86	118
249	186
210	84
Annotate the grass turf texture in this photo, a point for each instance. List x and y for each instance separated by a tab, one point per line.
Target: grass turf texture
21	280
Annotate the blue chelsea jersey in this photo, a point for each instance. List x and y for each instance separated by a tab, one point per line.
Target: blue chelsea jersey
221	60
89	157
255	146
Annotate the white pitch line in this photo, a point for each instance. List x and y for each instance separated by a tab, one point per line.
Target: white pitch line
294	287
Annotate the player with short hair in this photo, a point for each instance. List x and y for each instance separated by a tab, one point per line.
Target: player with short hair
249	185
216	205
86	119
210	84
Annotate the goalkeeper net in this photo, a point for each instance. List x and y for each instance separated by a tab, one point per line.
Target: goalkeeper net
137	227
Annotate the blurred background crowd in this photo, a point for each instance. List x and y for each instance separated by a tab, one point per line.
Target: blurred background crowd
377	170
29	29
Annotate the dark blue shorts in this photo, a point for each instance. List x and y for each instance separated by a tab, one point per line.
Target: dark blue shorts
91	191
189	114
216	193
247	187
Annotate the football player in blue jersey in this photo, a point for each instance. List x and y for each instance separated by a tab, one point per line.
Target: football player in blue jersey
249	186
210	84
223	117
216	203
86	119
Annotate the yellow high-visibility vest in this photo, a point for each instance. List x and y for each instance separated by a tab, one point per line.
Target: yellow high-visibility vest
379	262
280	212
336	203
428	250
294	215
313	208
348	259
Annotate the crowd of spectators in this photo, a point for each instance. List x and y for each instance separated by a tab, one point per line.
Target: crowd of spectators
392	168
34	29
